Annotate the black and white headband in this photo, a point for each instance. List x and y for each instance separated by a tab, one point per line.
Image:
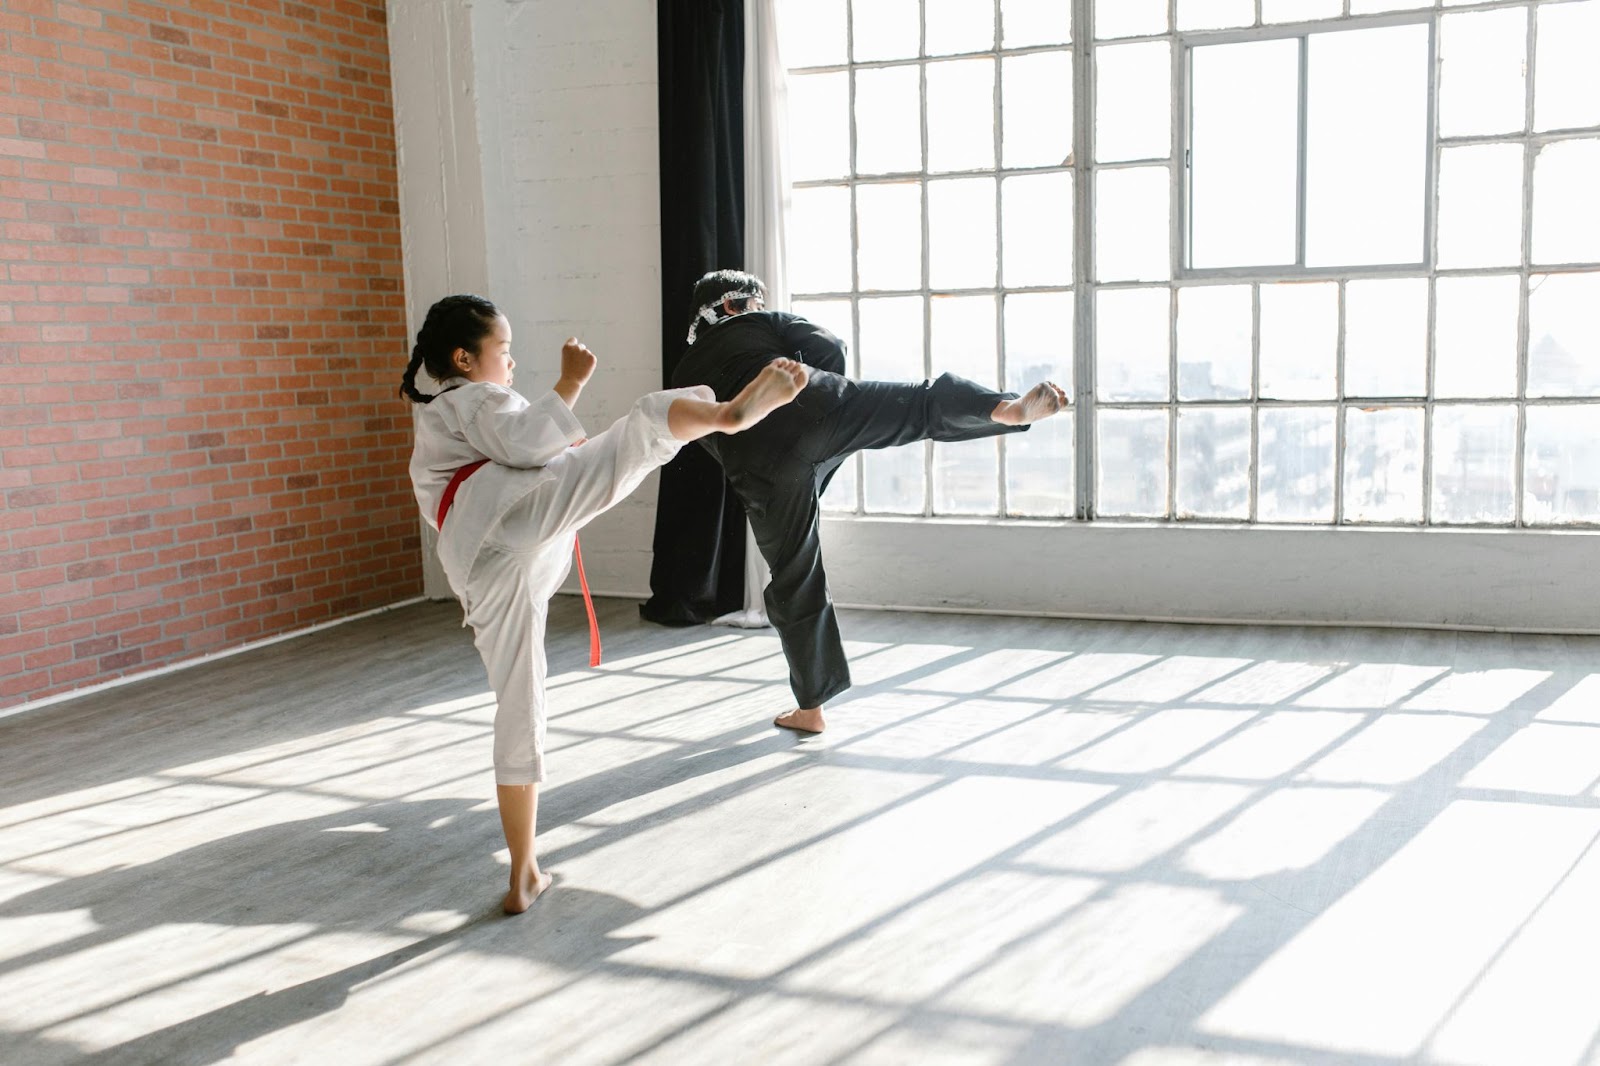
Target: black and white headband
709	311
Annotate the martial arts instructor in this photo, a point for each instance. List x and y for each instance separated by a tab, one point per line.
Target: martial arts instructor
780	467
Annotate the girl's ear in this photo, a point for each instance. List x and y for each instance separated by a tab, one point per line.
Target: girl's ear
462	360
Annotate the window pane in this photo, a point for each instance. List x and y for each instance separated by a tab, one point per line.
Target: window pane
1036	109
840	494
1244	153
1562	456
1038	229
1383	464
1039	469
1215	14
1300	10
1213	462
893	479
885	29
1299	340
1030	22
1481	78
1480	206
819	240
889	227
959	26
891	350
1133	234
966	477
963	340
819	118
1297	467
1129	18
961	233
1475	336
960	115
888	120
1039	340
813	32
1564	335
1214	342
1131	454
1566	212
1366	146
1566	87
833	316
1133	102
1474	463
1386	337
891	339
1132	344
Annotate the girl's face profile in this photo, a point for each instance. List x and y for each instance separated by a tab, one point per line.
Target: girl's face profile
493	363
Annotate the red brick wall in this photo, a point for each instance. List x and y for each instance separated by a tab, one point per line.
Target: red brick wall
201	331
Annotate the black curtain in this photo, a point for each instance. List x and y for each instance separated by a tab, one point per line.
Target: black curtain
698	569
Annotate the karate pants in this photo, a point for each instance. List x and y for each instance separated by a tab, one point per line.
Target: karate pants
781	493
528	554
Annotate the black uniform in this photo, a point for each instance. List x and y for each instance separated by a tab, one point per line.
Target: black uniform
780	467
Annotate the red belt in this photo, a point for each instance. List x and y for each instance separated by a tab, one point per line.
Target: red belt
449	498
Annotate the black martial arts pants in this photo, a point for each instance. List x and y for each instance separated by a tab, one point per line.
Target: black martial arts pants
781	492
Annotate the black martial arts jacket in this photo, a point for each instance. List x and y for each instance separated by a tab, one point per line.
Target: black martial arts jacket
728	355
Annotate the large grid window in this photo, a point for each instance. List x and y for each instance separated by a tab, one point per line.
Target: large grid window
932	226
1299	261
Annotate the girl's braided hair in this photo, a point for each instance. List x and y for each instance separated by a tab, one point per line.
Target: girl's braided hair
454	322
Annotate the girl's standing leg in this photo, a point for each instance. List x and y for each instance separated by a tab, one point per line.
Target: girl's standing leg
519	813
507	618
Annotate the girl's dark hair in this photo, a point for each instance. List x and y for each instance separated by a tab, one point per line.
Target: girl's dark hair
454	322
712	287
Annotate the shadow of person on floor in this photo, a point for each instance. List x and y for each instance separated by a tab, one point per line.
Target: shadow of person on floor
572	933
387	869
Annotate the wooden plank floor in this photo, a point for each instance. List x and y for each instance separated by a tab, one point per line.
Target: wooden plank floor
1020	842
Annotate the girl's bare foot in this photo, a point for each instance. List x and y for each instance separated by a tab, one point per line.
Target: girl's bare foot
802	720
525	888
779	382
1041	401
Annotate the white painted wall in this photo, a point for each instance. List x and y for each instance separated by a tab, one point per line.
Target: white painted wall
527	133
556	216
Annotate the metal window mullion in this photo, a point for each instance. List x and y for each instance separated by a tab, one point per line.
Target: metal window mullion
1175	183
1083	252
897	176
927	266
1529	151
1430	240
1301	152
1255	397
1002	455
855	241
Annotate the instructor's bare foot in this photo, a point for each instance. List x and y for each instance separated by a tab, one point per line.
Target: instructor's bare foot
525	888
802	720
779	382
1041	401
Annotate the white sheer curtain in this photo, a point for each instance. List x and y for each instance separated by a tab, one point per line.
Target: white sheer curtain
766	206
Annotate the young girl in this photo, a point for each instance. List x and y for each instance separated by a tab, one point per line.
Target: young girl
507	486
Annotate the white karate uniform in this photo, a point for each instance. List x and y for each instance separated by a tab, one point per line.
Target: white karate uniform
506	544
